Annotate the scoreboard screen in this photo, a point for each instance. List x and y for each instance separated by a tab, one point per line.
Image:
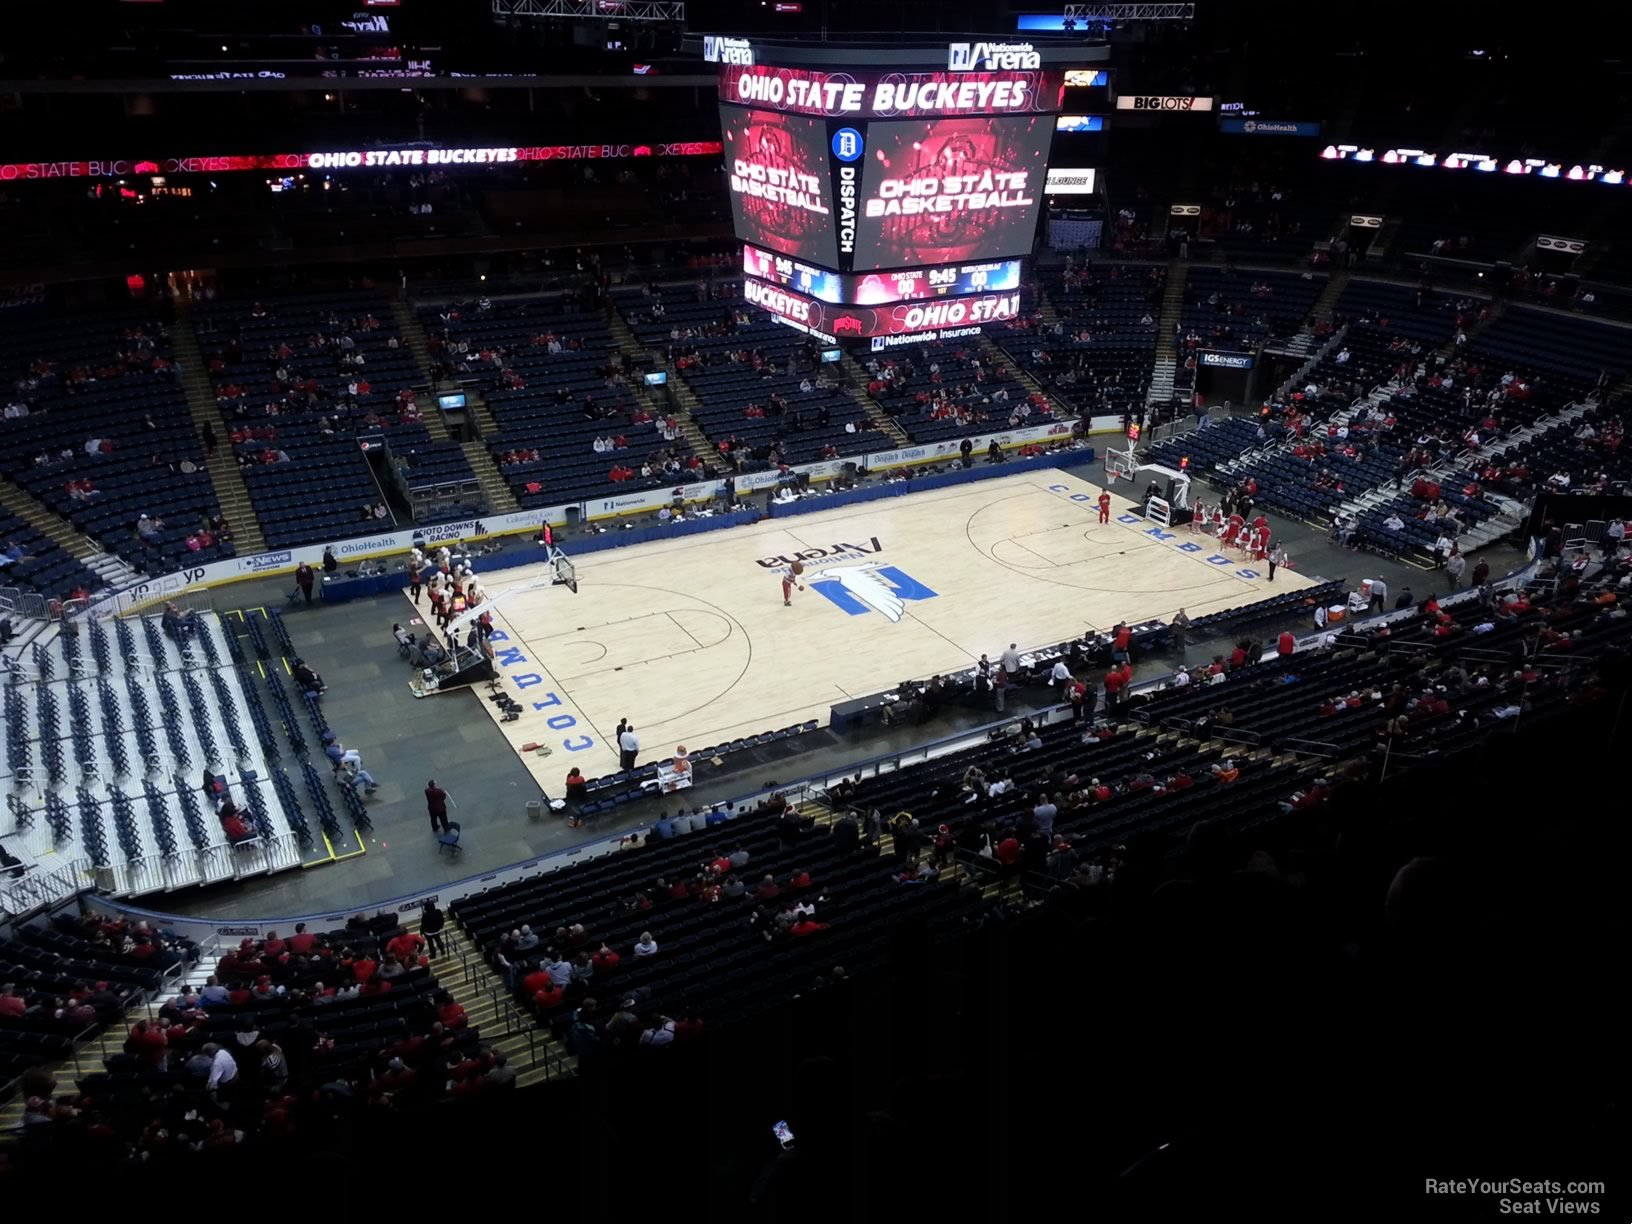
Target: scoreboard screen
780	183
945	316
881	288
942	191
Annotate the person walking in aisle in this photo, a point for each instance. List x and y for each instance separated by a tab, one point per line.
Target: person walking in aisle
305	577
431	922
436	803
628	748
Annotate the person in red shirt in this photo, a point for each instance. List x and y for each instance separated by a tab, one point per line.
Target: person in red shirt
800	879
363	968
605	960
1113	689
806	926
768	890
450	1013
1238	657
406	946
274	946
149	1043
302	941
535	981
548	996
1007	851
1104	506
1287	644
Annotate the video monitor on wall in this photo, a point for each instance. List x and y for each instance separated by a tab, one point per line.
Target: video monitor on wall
939	191
780	181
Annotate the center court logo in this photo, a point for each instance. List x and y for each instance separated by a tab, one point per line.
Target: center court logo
870	587
849	578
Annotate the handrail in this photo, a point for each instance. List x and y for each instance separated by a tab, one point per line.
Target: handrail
1314	747
41	889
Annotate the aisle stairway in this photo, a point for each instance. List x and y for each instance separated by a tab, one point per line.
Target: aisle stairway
491	1008
65	536
1046	314
639	355
1167	364
230	491
994	353
413	335
87	1060
1325	305
627	342
687	416
856	380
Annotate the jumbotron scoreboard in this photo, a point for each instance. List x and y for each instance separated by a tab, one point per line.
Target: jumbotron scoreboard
886	193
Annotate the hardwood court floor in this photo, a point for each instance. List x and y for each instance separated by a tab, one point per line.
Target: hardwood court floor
691	642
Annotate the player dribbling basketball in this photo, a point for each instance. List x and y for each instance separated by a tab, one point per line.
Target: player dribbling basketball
790	579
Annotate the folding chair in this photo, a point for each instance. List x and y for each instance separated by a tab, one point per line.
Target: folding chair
449	841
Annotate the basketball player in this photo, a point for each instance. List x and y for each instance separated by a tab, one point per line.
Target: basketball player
790	579
1104	506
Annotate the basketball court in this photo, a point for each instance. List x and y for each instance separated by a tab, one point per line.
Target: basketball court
691	642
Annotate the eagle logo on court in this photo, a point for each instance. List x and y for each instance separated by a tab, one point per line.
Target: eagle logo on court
866	584
870	587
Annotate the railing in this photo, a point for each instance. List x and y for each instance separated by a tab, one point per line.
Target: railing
39	890
30	605
1311	747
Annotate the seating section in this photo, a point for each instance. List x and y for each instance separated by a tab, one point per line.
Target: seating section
1099	354
107	438
310	1024
299	379
937	392
66	980
1234	310
33	562
121	736
1585	452
1573	349
549	373
749	372
854	894
1415	314
1431	404
1113	786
